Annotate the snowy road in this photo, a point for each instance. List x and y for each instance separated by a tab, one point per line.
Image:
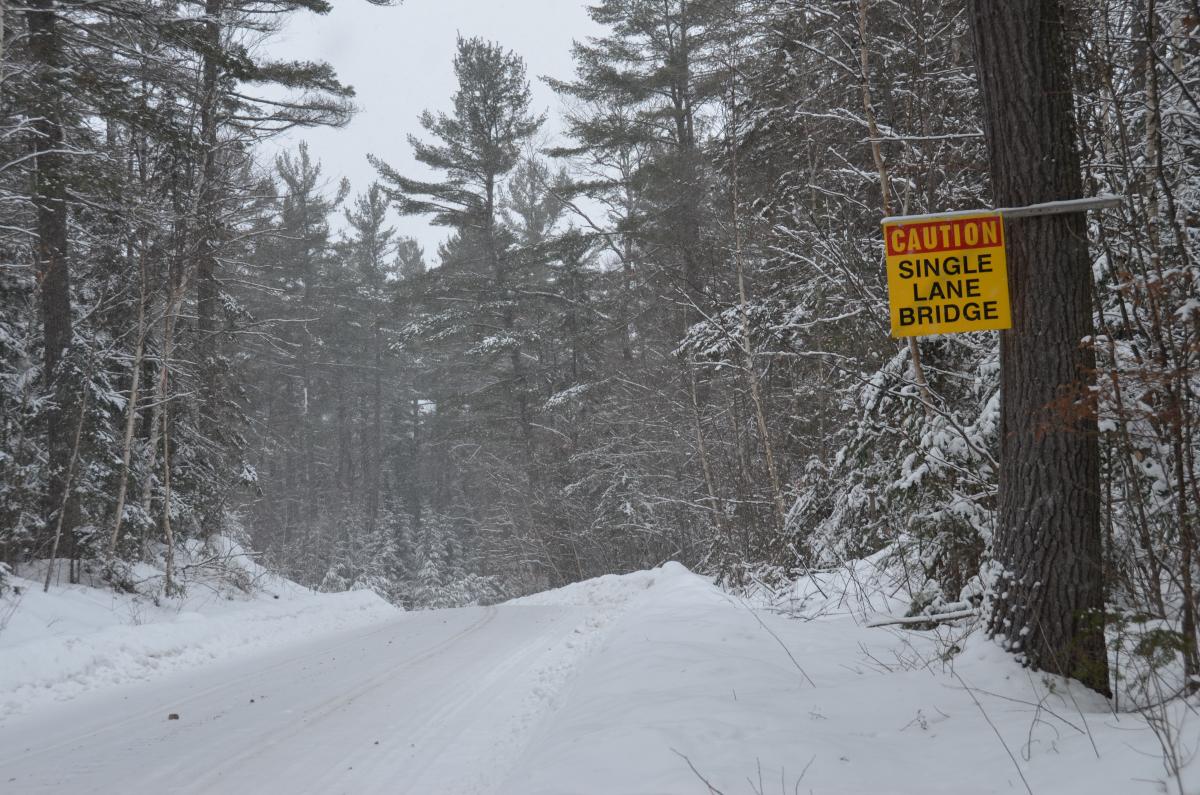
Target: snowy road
429	702
652	683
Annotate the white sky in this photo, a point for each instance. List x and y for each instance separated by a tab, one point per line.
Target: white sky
399	61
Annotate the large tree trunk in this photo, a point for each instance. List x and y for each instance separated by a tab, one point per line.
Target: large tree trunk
375	445
1050	593
53	276
207	289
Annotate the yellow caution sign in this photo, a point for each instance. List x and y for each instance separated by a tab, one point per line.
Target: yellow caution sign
947	275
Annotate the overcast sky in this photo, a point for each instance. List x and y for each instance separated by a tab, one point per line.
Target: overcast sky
399	61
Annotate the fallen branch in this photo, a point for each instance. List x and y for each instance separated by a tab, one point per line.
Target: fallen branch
711	789
884	621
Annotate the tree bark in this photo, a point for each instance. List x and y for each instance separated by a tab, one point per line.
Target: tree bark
375	445
131	414
1049	606
207	288
53	275
885	186
749	363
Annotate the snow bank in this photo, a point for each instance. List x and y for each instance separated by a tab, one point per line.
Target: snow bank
692	689
618	590
75	639
602	603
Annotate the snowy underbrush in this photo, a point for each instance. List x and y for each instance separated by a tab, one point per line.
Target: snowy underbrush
888	592
1146	655
72	639
891	582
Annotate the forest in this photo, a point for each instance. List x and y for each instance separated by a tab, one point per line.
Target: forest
662	338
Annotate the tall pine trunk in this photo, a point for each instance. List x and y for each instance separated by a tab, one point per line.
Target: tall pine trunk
1048	543
53	276
207	288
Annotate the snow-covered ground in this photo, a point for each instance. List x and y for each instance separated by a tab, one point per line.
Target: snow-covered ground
695	691
654	682
76	639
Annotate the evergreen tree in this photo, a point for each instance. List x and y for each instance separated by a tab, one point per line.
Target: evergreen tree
482	338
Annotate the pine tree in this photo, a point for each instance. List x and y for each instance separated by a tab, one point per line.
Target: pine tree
228	117
480	332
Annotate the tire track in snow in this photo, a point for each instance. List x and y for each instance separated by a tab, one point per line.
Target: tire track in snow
340	700
176	705
479	726
349	715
